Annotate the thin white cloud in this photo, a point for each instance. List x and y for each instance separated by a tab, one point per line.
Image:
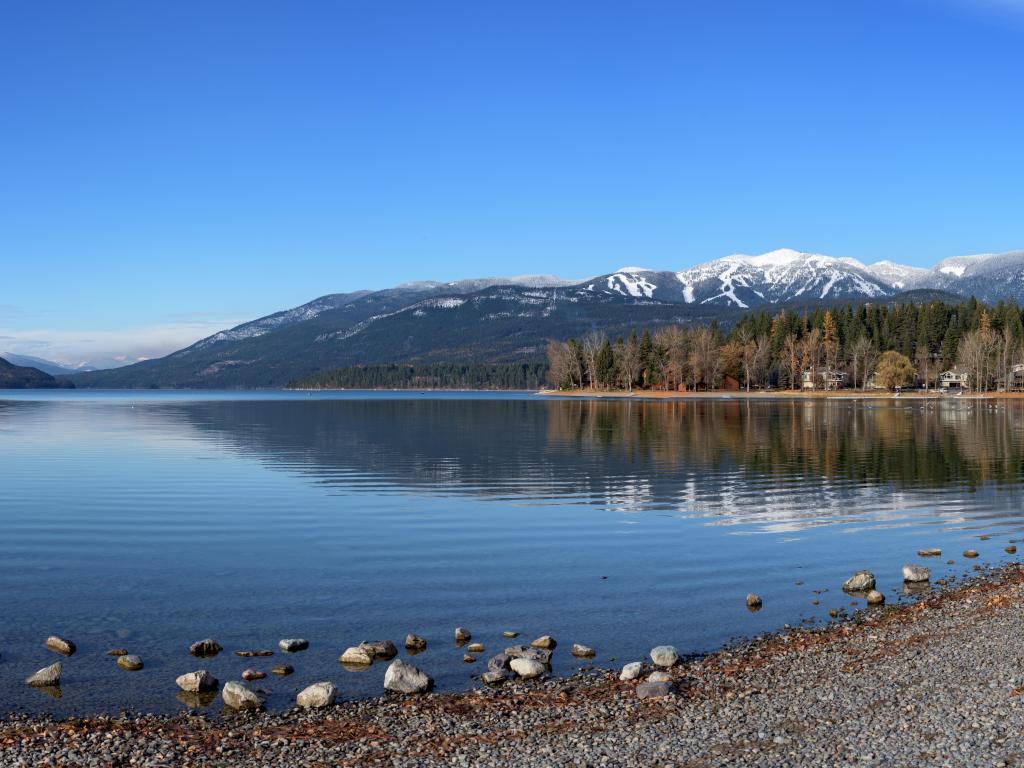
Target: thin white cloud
105	348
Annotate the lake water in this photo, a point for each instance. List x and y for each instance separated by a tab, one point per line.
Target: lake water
152	520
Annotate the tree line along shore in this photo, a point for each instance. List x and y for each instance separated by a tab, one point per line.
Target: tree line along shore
961	347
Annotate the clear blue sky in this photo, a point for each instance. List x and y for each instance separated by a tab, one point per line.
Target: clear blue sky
176	163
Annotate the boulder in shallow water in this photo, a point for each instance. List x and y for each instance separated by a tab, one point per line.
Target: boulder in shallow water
509	633
253	674
547	642
499	662
754	601
199	681
934	552
916	573
317	695
528	668
282	670
117	652
970	553
581	651
475	648
356	655
60	645
237	696
131	662
874	597
379	649
462	635
861	581
664	655
205	648
415	643
632	671
293	645
543	655
46	676
405	678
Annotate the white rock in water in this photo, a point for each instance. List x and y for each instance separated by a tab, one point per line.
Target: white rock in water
405	678
60	645
528	668
197	682
632	671
664	655
46	676
293	645
915	573
356	655
237	696
861	581
317	695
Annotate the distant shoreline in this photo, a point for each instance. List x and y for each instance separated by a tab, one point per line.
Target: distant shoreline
781	394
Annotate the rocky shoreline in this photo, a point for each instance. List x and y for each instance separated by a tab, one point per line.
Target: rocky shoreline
935	682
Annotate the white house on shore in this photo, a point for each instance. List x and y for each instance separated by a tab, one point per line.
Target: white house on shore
954	380
823	378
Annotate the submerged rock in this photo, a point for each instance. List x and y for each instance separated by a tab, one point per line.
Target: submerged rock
475	648
509	633
46	676
415	643
317	695
970	553
293	645
547	642
60	645
664	655
915	573
653	690
929	552
581	651
874	597
199	681
249	654
356	655
528	668
379	649
405	678
463	635
1011	550
282	670
117	652
130	662
205	648
632	671
861	581
754	601
237	696
253	674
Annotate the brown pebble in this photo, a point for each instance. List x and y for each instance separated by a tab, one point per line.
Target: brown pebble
468	659
117	652
1011	550
283	669
253	674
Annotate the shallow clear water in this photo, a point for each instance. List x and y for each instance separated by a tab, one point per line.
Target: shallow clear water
151	520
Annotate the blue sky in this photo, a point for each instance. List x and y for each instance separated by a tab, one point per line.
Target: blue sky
170	168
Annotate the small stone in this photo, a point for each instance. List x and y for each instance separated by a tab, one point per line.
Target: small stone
356	655
253	674
249	654
509	633
117	652
664	655
237	696
60	645
753	601
581	651
282	670
950	562
970	553
1011	550
405	678
659	677
653	690
494	677
861	581
130	662
528	668
197	682
46	676
462	635
632	671
915	573
984	537
547	642
293	645
379	649
475	648
874	597
317	695
205	648
415	643
929	552
467	659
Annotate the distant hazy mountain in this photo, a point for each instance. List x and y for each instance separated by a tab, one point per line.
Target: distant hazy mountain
22	377
511	319
46	366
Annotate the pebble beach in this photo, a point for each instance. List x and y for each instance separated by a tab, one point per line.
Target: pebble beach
936	682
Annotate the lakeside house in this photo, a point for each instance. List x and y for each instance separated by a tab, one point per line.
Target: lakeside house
955	380
1014	379
823	378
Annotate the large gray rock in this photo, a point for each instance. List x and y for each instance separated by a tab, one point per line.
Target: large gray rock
415	642
199	681
237	696
653	690
916	573
46	676
499	662
405	678
664	655
632	671
528	668
205	648
293	645
356	655
317	695
379	649
494	677
60	645
861	581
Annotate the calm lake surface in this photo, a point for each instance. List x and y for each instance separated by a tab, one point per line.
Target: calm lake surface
152	520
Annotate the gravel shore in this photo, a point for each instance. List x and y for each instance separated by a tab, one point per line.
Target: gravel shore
935	683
